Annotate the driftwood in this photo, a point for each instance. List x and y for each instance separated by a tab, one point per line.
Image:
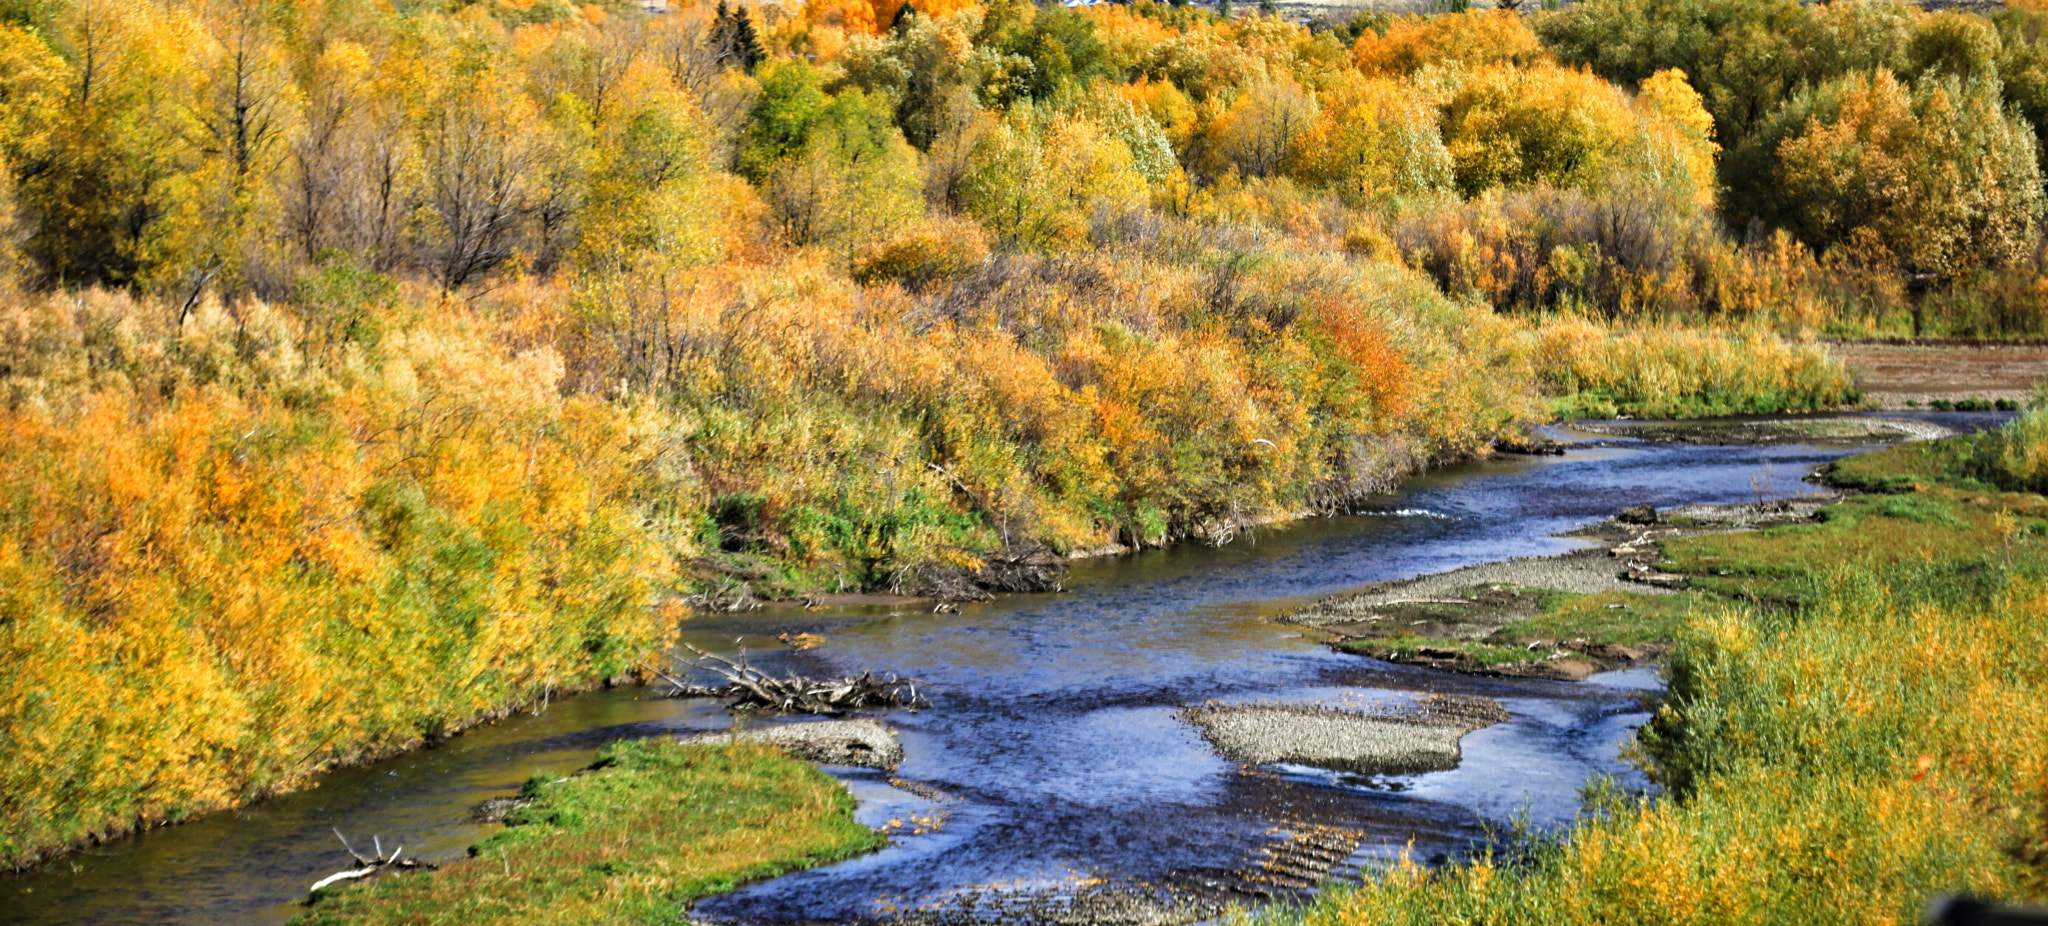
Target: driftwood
369	866
748	687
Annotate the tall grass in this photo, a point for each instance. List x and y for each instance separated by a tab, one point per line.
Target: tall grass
1837	765
1665	371
2016	456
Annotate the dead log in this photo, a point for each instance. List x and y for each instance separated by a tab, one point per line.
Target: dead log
752	689
370	866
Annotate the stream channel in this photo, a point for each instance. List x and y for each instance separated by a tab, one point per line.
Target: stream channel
1059	778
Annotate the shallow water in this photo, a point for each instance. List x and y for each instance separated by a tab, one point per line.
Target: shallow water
1051	754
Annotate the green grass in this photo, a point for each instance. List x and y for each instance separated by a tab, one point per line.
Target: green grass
1619	618
651	827
1899	469
1954	527
1408	646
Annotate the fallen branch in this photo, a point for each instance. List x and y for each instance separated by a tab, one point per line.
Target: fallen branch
369	866
749	687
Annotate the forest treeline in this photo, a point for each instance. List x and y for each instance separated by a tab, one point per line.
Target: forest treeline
369	368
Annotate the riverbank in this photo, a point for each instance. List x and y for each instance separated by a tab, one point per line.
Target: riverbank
1857	721
649	827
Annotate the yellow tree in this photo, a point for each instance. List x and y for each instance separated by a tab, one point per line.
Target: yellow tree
1034	179
1259	132
100	183
1374	140
32	87
1932	181
483	145
219	216
1471	39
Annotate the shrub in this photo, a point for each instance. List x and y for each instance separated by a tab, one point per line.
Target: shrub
931	254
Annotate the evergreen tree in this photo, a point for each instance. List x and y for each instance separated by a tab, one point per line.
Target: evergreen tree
733	39
746	45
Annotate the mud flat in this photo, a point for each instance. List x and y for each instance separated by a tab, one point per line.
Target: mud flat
1560	617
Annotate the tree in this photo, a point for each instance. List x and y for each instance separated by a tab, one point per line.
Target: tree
1959	44
854	179
100	182
1258	134
1373	141
1510	127
1931	182
792	97
1470	38
732	38
217	224
1746	57
482	148
1034	178
1061	44
926	67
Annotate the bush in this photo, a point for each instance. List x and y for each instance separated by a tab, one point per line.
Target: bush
2016	456
931	254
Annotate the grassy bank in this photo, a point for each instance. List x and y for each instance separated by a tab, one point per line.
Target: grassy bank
1868	732
649	828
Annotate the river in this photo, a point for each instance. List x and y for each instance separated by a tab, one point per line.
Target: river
1051	755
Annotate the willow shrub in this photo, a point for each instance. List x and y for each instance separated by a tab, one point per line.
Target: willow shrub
222	569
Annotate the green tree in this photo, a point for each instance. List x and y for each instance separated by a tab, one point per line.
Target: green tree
732	38
1746	57
926	67
1034	179
1061	44
854	180
791	100
1960	44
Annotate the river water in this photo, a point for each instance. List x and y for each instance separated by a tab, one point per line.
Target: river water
1051	758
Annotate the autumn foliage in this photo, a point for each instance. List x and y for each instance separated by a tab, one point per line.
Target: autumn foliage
369	370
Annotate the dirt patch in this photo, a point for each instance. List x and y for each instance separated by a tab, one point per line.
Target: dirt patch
1891	375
